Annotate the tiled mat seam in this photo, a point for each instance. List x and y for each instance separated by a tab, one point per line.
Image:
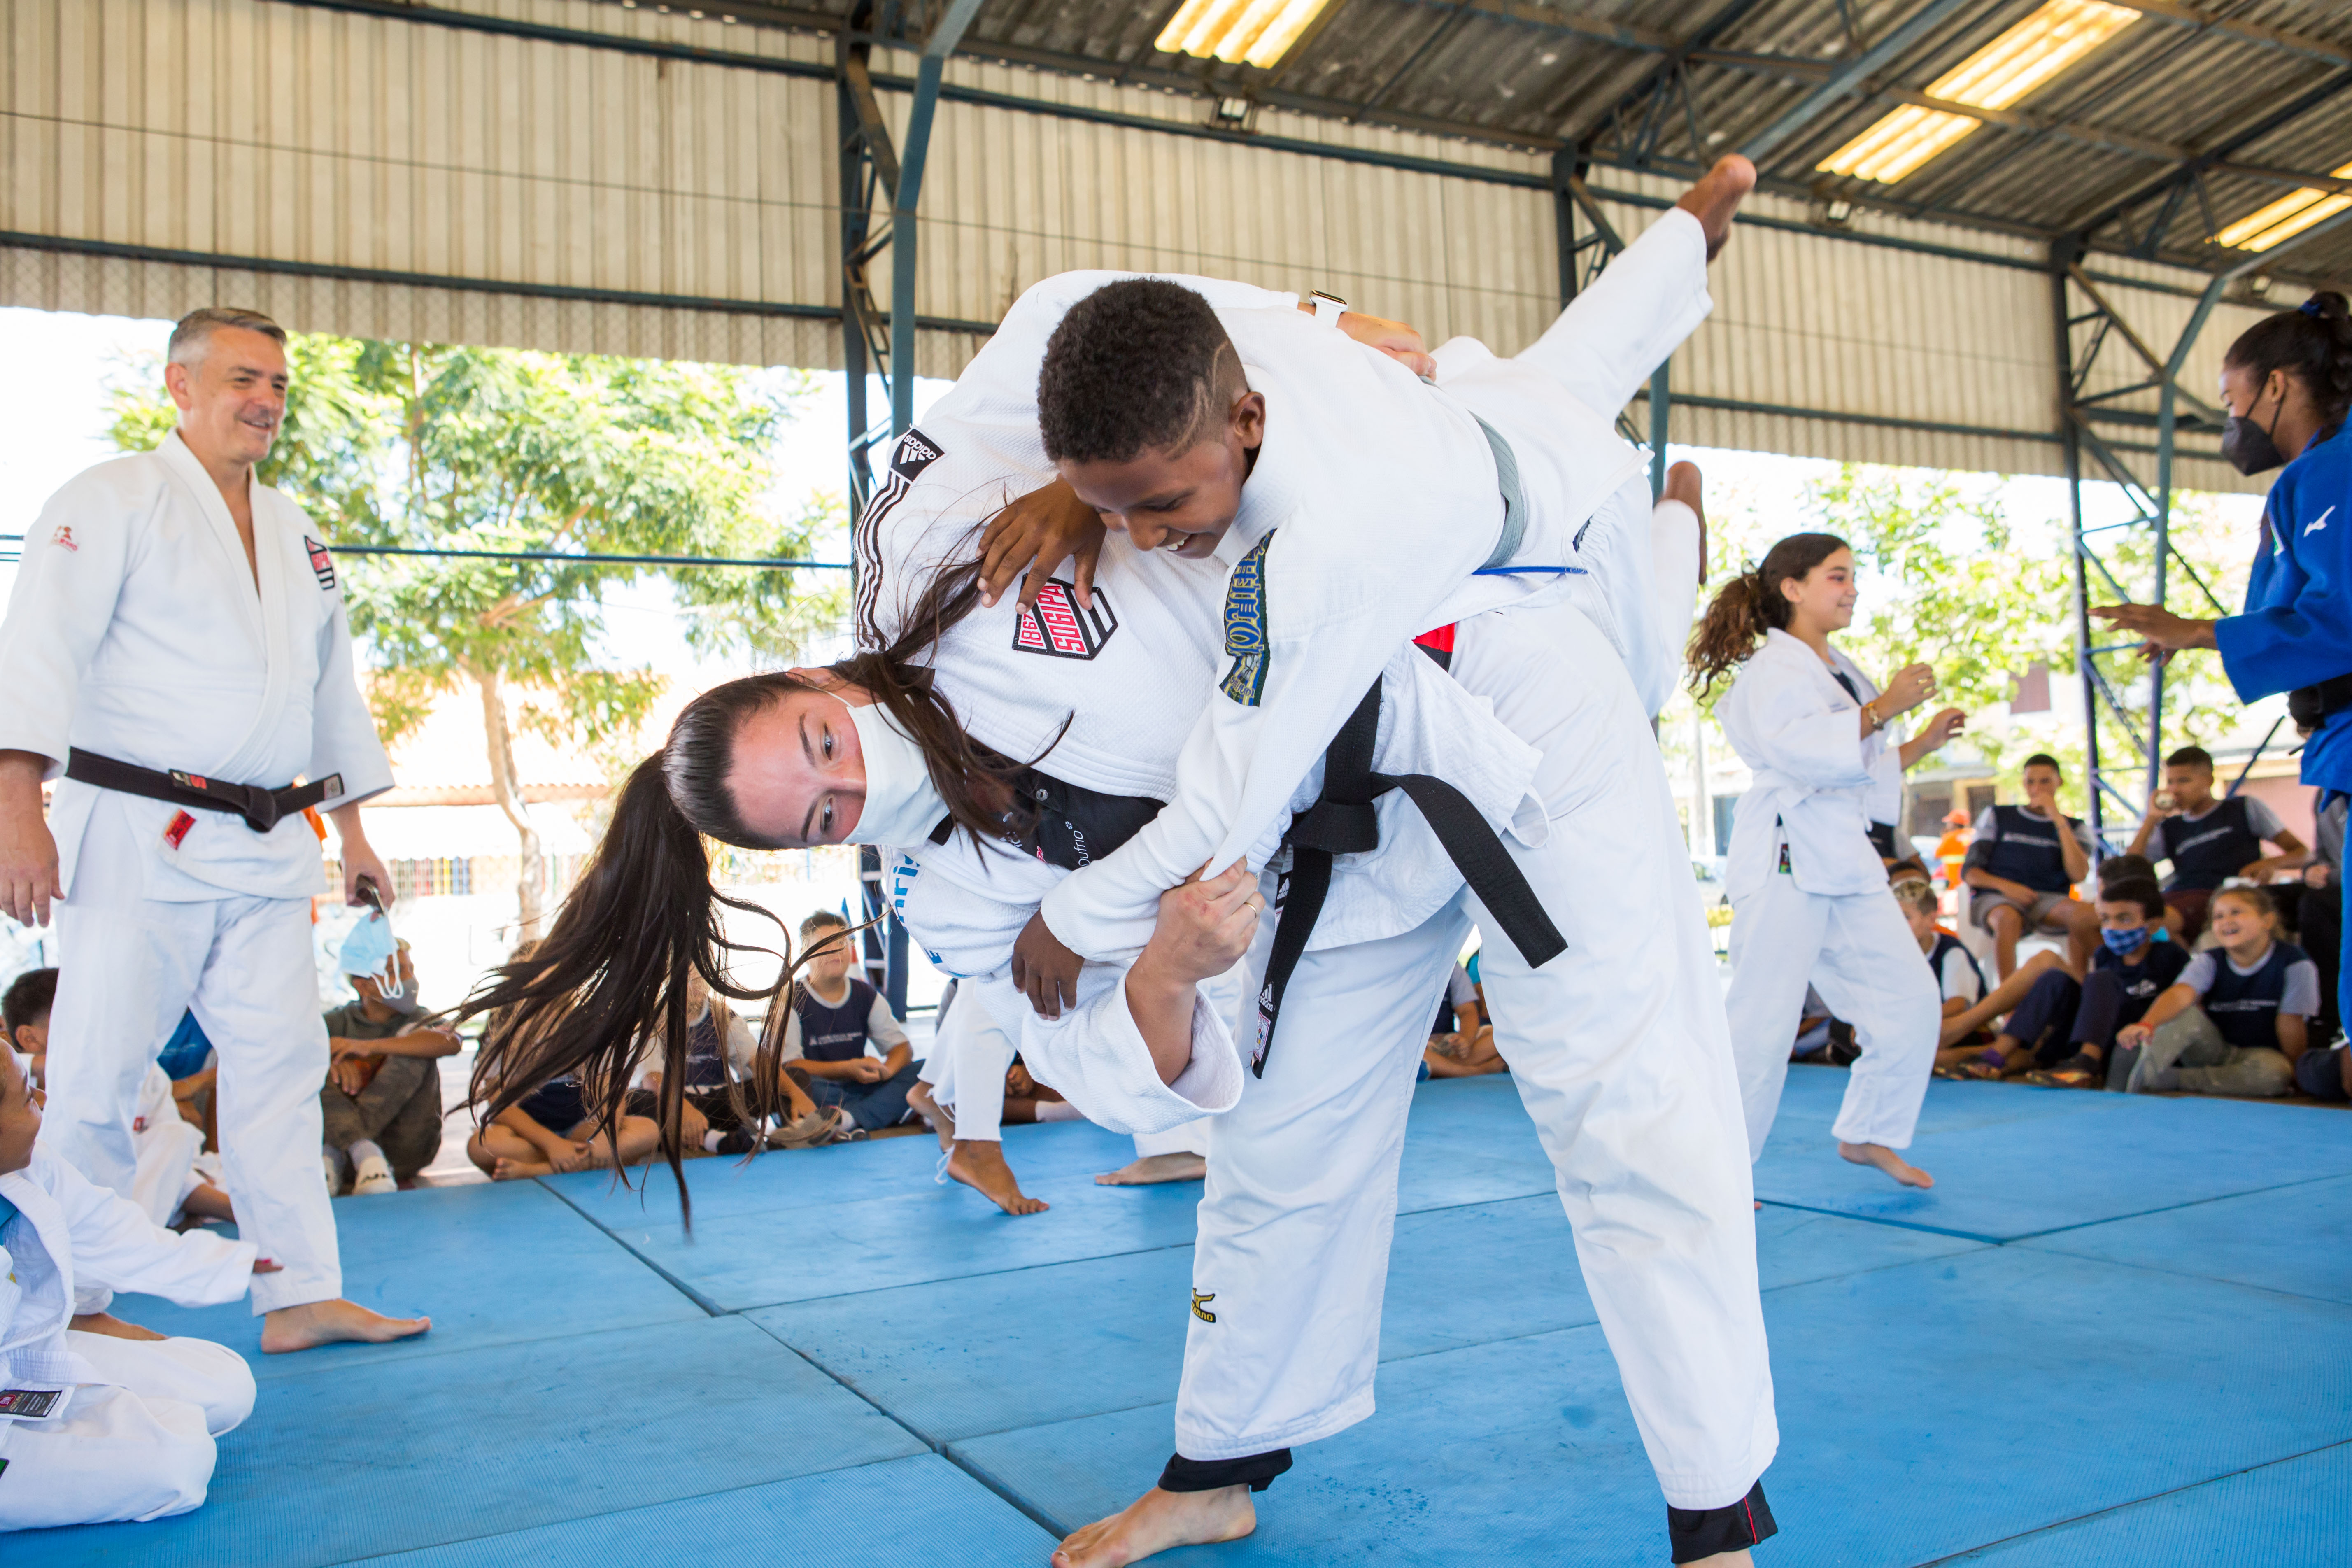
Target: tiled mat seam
2133	1502
1018	1504
680	1286
2174	1208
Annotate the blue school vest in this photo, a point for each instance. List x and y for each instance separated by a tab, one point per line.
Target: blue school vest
1947	943
2026	849
706	1053
834	1034
2244	1007
2210	851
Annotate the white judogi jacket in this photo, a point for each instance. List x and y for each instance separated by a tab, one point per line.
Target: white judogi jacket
135	631
1818	785
70	1245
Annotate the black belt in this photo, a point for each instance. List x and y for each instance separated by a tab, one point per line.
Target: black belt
1075	825
262	809
1342	822
2309	706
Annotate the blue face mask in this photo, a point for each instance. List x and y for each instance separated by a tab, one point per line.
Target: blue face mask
372	950
2123	943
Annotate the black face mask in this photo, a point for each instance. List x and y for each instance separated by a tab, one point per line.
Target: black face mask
2249	448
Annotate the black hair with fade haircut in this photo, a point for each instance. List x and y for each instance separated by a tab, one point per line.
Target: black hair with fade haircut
2042	760
1139	364
2140	891
2190	757
2119	869
27	1000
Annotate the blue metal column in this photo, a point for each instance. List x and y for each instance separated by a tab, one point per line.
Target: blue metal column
914	153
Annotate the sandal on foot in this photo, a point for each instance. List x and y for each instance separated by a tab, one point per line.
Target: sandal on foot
1980	1071
2077	1071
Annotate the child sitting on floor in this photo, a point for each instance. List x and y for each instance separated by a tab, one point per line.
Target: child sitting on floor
2063	1033
100	1419
2235	1021
1462	1043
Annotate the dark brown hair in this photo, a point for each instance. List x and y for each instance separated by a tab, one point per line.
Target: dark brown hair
2312	344
1750	604
612	970
2256	899
2140	891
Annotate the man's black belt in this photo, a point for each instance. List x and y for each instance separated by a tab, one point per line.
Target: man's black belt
1342	822
2309	706
262	809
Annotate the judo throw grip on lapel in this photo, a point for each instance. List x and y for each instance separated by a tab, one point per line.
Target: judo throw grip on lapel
1245	628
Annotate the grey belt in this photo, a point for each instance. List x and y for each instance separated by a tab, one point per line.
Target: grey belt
1514	501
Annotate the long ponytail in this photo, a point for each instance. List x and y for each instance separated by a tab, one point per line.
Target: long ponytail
1750	604
2312	344
612	970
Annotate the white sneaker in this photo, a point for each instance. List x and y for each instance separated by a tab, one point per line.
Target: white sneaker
332	1160
374	1176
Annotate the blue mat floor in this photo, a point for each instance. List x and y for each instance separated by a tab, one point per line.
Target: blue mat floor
2112	1332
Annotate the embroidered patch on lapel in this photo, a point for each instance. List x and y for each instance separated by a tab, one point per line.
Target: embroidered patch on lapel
64	540
1245	628
323	565
1059	626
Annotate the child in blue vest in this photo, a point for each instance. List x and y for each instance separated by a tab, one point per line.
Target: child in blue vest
834	1016
2209	841
2023	867
2236	1020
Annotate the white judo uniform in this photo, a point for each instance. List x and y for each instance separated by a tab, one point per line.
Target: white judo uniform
165	1145
129	1434
1809	895
135	632
1627	1070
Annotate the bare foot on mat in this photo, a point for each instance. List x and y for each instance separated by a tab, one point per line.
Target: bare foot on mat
1155	1168
1158	1521
1889	1160
981	1167
332	1322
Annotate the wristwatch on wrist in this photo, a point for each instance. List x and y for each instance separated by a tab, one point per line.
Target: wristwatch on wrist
1870	711
1328	307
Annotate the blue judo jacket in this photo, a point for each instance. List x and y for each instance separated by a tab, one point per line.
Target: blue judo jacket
2297	627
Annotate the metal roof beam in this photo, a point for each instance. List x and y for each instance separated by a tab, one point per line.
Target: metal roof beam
1833	93
2109	209
2193	16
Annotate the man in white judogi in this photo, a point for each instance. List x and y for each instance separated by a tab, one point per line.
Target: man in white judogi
174	616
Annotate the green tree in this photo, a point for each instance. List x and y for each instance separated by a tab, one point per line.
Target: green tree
431	446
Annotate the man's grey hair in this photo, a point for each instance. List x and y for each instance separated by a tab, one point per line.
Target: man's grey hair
194	334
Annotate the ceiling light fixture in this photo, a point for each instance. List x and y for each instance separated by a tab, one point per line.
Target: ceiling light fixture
1252	32
2285	217
2025	58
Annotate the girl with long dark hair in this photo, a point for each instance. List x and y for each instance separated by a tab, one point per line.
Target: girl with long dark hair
1808	887
2286	385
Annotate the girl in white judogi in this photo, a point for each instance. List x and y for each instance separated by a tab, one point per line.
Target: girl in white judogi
99	1427
1808	887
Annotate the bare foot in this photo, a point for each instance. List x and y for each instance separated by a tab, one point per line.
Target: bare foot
332	1322
507	1170
1155	1168
208	1201
941	1119
981	1167
110	1325
1716	196
1889	1160
1157	1522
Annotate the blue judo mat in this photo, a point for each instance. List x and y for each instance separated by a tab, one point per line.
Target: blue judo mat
2111	1333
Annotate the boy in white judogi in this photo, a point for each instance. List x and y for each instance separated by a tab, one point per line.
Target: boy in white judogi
176	649
97	1426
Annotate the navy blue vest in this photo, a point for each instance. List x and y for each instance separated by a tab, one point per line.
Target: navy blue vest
706	1053
2213	849
1947	943
2244	1007
2025	850
834	1034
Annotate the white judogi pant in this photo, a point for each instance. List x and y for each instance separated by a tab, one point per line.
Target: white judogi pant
167	1145
1621	1056
137	1446
130	966
1857	951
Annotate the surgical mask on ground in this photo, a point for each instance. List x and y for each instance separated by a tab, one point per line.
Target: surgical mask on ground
370	949
902	805
2125	942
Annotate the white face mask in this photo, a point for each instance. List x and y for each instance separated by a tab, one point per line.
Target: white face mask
902	804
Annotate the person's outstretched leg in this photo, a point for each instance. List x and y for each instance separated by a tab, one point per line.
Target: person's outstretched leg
1869	975
1293	1250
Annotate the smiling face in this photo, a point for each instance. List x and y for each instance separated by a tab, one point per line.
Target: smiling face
1823	600
2240	927
1179	501
20	1119
798	775
233	399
